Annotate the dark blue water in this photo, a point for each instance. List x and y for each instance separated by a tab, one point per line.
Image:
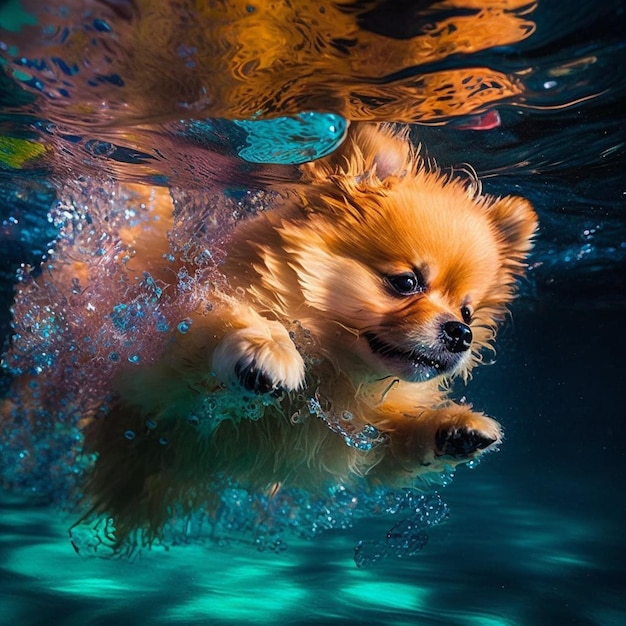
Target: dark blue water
535	532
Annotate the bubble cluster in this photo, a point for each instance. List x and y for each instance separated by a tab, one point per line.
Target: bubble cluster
407	536
42	453
362	438
90	311
267	520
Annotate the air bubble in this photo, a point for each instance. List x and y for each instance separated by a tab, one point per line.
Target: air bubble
369	432
184	326
296	417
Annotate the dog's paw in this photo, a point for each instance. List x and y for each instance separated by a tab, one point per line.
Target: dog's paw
463	442
254	378
262	359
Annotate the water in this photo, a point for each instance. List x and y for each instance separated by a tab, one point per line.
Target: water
534	534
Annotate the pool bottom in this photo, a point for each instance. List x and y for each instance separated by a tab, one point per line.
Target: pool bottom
512	553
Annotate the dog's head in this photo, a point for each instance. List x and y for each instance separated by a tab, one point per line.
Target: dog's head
405	267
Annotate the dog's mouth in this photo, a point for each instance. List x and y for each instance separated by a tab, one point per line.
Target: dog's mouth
414	364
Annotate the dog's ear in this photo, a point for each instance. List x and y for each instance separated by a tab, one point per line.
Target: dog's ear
515	223
375	152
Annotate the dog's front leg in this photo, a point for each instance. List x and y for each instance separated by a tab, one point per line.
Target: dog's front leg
427	438
259	354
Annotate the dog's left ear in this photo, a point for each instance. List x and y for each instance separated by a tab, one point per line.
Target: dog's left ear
375	152
515	222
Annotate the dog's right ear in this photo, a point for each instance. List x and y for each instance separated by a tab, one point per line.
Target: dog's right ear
370	152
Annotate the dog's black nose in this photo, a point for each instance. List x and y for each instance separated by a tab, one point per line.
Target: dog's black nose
457	337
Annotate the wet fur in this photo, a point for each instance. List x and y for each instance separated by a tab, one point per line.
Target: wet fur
317	264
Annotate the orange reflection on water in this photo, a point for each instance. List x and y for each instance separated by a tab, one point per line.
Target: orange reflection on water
261	59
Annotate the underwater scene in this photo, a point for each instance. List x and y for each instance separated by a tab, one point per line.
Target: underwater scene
311	311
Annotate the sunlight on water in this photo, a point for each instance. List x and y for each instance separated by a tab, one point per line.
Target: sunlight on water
485	620
281	600
105	106
384	596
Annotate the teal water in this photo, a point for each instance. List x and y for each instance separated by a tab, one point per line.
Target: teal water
535	534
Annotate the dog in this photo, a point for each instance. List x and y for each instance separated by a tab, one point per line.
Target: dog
325	356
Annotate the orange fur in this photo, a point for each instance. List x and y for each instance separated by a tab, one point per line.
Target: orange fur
313	325
309	319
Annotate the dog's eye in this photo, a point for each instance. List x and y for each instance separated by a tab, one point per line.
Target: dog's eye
406	284
466	314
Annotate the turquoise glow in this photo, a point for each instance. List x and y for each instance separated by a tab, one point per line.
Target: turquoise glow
286	140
